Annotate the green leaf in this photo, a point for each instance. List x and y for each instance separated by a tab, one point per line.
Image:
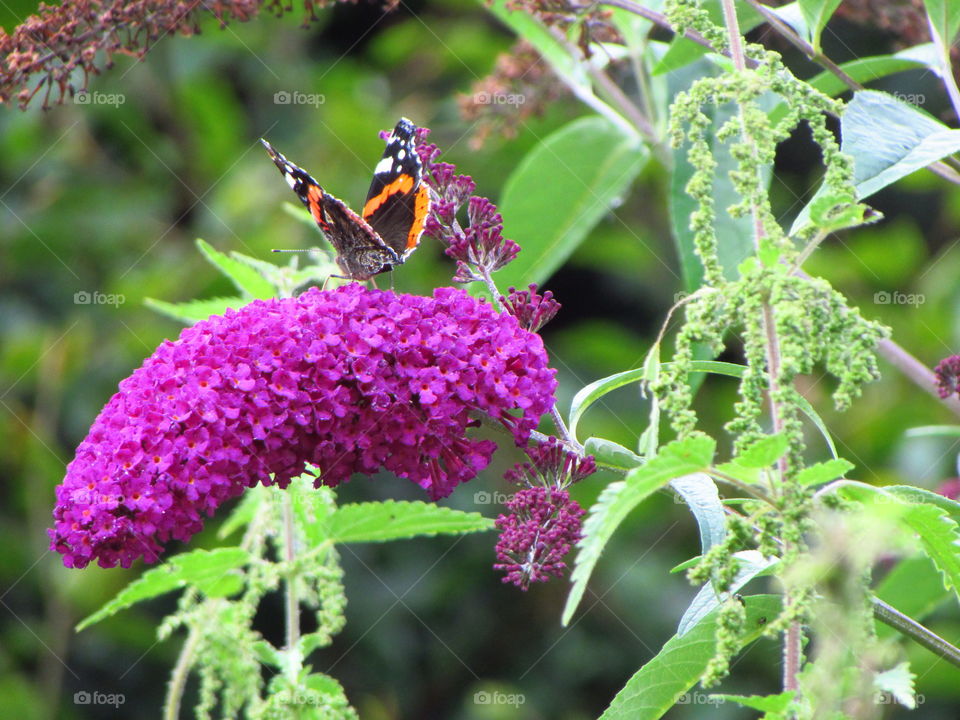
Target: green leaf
659	684
898	682
944	18
913	494
751	564
927	430
764	703
561	190
242	514
913	587
589	394
764	452
394	520
824	472
247	280
204	569
816	13
888	139
610	454
618	499
681	53
700	494
195	310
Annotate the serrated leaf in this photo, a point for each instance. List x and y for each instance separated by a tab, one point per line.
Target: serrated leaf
395	520
618	499
610	454
898	682
700	494
751	564
589	164
201	568
764	703
816	13
589	394
195	310
246	279
764	451
824	472
657	686
887	139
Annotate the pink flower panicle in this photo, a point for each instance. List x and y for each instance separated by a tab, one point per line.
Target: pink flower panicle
351	380
480	249
543	522
532	310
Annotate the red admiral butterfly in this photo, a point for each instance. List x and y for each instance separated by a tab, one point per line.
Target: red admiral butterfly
393	216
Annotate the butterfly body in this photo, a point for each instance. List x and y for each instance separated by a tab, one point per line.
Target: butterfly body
393	217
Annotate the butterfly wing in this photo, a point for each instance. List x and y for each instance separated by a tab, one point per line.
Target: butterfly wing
398	202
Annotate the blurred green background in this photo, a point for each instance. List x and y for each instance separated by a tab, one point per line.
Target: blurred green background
109	198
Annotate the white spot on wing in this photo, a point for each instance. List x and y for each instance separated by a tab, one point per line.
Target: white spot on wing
291	180
384	166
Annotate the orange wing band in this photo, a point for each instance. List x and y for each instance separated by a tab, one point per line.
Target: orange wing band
402	184
421	209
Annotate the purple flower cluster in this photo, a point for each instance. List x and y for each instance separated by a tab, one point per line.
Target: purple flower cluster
351	380
532	310
543	522
947	373
480	249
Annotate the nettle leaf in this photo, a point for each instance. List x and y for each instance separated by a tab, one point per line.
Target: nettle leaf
618	499
824	472
816	13
206	570
944	18
247	280
195	310
898	682
395	520
888	139
700	494
611	454
589	394
913	586
561	190
658	685
764	452
764	703
751	564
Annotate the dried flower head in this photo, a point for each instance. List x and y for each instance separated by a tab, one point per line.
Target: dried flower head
351	380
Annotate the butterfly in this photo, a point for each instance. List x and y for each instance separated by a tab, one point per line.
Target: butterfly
389	227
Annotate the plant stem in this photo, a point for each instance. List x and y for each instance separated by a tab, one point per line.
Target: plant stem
889	615
178	679
289	551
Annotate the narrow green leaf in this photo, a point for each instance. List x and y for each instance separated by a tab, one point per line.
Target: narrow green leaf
824	472
561	190
247	280
589	394
610	454
928	430
888	139
195	310
764	703
395	520
751	564
944	18
659	684
202	568
700	494
618	499
816	13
